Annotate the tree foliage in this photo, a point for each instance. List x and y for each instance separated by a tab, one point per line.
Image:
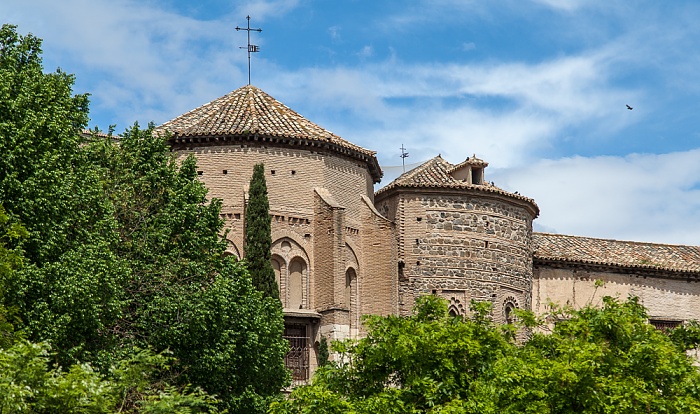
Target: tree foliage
123	249
595	360
182	293
258	238
28	384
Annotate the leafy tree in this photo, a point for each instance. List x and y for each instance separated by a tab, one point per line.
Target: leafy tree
183	294
258	238
600	360
595	360
123	249
68	288
10	260
323	354
29	384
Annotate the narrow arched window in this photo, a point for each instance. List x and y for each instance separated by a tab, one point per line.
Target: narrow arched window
509	312
295	288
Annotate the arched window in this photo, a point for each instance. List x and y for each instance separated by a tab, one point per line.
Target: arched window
509	312
351	295
277	266
295	287
350	278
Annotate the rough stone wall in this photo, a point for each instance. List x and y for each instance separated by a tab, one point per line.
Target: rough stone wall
463	246
666	296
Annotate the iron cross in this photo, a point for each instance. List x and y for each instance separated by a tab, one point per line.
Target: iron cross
251	48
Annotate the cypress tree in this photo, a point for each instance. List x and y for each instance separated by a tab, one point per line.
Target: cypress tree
258	238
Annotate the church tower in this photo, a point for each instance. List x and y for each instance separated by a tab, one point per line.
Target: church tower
460	237
332	252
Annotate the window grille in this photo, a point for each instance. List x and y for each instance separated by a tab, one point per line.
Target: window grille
664	325
297	359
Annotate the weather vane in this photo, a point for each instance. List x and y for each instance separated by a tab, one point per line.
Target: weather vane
403	156
251	48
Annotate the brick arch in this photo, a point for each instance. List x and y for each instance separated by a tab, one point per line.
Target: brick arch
294	271
232	249
286	233
351	258
351	297
510	303
288	247
297	283
280	267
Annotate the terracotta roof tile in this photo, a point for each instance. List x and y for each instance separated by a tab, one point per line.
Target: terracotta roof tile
587	250
435	173
248	112
473	161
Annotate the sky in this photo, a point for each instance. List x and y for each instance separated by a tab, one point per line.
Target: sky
537	88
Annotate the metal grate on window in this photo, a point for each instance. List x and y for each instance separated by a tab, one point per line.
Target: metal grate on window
664	325
297	359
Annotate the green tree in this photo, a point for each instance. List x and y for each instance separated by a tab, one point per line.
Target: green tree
68	288
599	360
595	360
123	249
258	238
10	260
183	294
28	384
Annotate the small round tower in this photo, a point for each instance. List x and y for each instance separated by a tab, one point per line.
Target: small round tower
460	237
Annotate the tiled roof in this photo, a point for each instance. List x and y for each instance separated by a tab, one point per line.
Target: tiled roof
435	173
87	133
473	161
587	250
249	113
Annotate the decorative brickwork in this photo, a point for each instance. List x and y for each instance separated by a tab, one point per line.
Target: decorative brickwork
340	251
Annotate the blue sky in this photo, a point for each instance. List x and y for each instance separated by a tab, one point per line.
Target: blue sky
537	88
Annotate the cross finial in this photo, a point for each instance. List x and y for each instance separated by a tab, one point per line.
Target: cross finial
403	156
251	48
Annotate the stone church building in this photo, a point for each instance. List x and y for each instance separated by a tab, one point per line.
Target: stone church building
341	251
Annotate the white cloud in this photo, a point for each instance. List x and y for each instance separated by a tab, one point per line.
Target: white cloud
506	112
565	5
334	32
263	9
643	197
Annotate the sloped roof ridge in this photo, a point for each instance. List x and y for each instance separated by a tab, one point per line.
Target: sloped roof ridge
249	110
435	173
436	166
621	253
469	161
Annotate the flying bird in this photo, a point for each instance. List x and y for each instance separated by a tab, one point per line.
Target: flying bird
629	107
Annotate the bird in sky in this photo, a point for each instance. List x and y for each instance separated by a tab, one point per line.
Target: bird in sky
629	107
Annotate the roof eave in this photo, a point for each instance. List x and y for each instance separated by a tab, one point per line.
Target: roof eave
359	153
387	191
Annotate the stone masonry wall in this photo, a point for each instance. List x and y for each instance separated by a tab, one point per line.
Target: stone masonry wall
462	247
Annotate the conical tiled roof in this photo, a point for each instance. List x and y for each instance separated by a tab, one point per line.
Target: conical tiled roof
436	173
250	114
